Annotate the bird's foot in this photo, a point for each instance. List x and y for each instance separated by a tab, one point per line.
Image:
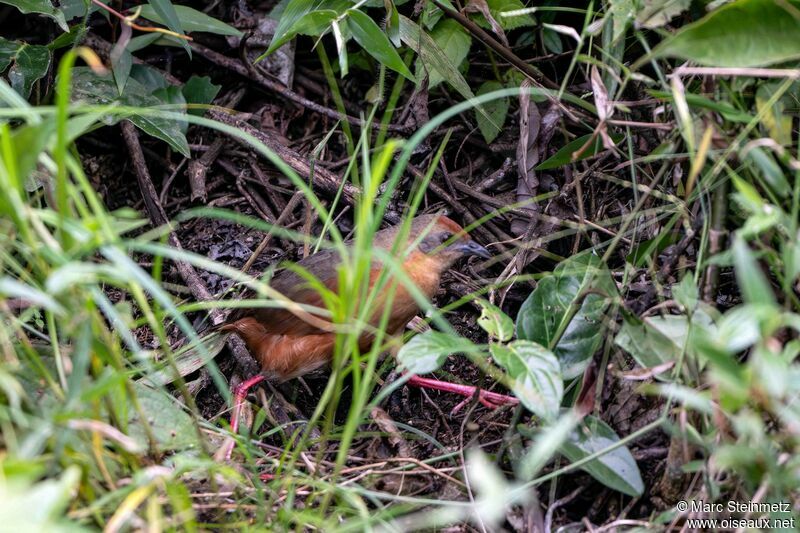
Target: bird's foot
492	400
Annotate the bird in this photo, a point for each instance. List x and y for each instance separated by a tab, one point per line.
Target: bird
288	344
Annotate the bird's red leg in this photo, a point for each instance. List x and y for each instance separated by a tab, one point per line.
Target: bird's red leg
239	394
492	400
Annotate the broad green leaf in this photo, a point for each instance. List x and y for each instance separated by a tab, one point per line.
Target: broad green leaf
433	56
744	33
622	12
29	142
27	507
7	51
392	23
431	14
172	95
565	155
656	340
375	42
121	68
552	41
167	15
150	78
752	282
503	13
656	13
90	87
535	374
769	170
495	322
497	110
191	20
314	23
454	42
29	64
291	14
686	293
426	352
547	311
199	90
172	427
40	7
616	469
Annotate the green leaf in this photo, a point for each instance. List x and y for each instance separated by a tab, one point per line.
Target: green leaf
167	16
616	469
30	63
190	20
432	55
88	86
431	14
500	9
776	120
497	110
654	340
426	352
565	155
752	282
121	68
770	172
375	42
495	322
622	12
29	141
314	23
293	12
686	293
41	506
535	374
150	78
547	311
40	7
552	41
454	42
723	108
7	51
172	427
656	13
392	23
172	95
744	33
199	90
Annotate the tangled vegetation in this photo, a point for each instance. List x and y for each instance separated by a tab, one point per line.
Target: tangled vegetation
631	165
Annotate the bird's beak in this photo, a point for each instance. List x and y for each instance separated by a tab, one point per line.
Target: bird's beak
472	248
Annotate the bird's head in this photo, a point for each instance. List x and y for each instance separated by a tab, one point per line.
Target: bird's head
444	239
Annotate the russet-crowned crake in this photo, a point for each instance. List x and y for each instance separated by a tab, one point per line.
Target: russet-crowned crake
288	346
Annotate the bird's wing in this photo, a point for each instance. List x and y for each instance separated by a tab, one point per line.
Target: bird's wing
279	321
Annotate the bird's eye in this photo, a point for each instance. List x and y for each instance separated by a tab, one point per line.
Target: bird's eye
446	236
